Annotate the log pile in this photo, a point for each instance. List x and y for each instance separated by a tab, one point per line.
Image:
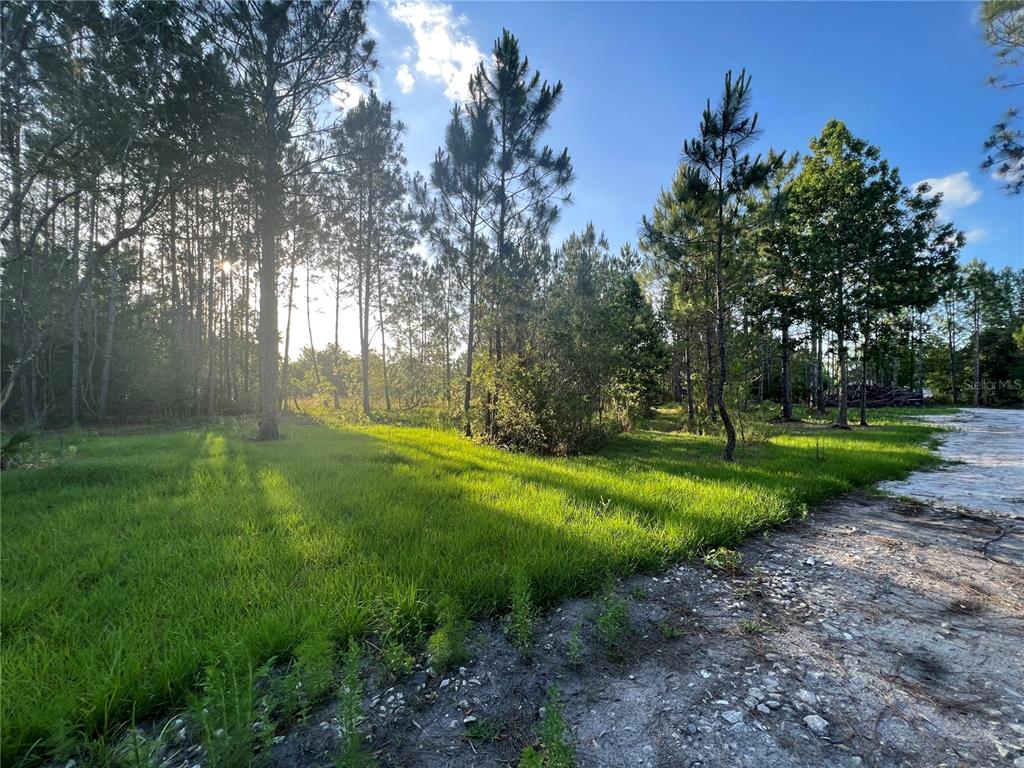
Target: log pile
879	396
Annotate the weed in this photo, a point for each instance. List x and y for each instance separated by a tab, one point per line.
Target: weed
523	617
135	750
612	622
226	713
574	647
488	729
352	753
724	559
754	627
395	659
556	749
639	593
446	647
309	678
669	631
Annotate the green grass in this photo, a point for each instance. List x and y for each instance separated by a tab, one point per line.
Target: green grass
131	563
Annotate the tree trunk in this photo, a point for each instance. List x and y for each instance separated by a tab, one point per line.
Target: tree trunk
977	351
364	333
269	235
337	315
691	406
721	317
864	380
470	345
285	376
787	377
842	414
211	398
951	342
309	325
76	314
108	349
383	338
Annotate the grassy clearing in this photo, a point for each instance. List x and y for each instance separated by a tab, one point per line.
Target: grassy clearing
132	563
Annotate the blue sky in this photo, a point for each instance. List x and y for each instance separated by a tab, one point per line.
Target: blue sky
909	77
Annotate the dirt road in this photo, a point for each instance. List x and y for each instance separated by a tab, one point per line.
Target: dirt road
988	448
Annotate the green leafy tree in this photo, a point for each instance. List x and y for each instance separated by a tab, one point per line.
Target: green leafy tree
720	174
526	182
453	209
1003	21
287	57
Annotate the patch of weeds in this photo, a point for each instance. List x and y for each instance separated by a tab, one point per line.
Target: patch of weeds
556	749
669	631
136	750
447	645
574	647
309	679
754	627
522	619
612	621
352	753
225	710
488	729
639	593
395	659
724	559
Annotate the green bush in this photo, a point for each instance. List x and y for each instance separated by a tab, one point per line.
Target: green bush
446	647
612	622
523	617
556	749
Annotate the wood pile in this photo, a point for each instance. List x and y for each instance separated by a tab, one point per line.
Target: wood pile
879	396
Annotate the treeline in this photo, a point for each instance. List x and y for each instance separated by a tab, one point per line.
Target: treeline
174	172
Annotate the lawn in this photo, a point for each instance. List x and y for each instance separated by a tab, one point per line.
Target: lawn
132	561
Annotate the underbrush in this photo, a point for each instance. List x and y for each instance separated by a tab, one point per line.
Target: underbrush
130	562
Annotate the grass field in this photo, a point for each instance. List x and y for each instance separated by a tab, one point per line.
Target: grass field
132	561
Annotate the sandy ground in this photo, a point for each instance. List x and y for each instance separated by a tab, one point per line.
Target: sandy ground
988	448
879	632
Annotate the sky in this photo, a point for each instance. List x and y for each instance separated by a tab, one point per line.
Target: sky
909	77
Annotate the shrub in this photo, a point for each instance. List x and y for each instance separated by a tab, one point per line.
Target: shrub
447	645
574	647
556	748
612	622
523	617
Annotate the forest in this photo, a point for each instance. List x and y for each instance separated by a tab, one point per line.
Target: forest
172	173
207	512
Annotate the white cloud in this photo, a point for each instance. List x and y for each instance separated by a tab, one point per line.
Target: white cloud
976	235
405	78
957	191
347	95
444	51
